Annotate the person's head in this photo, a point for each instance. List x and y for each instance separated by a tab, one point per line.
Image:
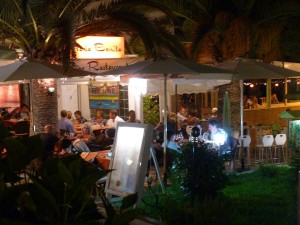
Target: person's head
99	114
213	125
24	108
132	116
87	128
113	114
63	113
49	129
78	114
69	114
214	110
183	111
171	135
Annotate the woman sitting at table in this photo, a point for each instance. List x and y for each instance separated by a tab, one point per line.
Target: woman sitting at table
85	139
99	119
79	119
23	113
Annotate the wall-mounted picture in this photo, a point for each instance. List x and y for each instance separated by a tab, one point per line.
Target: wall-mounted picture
104	95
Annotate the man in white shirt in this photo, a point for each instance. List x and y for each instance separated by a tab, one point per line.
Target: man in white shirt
113	119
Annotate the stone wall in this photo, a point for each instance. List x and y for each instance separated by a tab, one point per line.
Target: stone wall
44	105
234	94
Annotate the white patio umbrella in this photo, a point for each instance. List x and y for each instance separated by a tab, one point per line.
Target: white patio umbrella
182	86
171	68
30	69
245	69
37	69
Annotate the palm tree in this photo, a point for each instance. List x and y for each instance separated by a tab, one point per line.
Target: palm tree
47	29
226	29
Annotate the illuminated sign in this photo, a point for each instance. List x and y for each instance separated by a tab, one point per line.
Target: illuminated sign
98	47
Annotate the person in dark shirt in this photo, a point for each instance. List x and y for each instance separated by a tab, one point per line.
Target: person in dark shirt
49	140
79	119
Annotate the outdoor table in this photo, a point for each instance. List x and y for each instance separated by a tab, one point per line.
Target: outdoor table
102	160
11	122
98	129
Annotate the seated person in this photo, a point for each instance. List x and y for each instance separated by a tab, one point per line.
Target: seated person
214	113
192	119
49	140
171	141
64	124
23	113
85	139
219	137
132	117
114	119
99	119
69	115
79	119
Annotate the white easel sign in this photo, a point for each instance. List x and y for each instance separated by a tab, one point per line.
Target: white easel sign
130	155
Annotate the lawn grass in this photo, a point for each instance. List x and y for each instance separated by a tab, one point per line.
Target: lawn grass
266	196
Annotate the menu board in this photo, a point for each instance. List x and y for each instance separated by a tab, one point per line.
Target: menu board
104	95
130	155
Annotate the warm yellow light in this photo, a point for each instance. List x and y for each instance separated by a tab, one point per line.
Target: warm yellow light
276	84
251	85
99	47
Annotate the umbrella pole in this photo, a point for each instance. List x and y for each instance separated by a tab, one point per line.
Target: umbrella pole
31	106
176	106
165	128
242	123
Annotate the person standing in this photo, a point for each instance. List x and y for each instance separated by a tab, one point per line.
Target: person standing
114	119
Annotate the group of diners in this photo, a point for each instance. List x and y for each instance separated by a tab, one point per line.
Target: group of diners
19	113
179	130
66	139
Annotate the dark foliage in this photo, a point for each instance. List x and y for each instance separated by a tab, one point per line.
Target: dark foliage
205	174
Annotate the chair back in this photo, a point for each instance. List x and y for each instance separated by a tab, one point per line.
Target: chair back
21	127
280	139
110	133
268	140
246	141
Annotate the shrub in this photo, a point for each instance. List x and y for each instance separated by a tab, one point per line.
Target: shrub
205	175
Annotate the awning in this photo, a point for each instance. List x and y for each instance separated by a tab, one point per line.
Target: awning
290	115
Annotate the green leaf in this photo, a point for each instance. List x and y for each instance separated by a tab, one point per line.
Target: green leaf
129	201
16	154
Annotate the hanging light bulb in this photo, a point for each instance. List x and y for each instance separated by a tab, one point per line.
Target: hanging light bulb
251	85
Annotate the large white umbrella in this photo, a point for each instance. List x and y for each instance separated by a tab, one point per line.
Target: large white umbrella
36	69
171	68
245	69
182	86
30	69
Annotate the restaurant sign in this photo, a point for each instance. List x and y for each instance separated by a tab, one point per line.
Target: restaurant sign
99	47
101	65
